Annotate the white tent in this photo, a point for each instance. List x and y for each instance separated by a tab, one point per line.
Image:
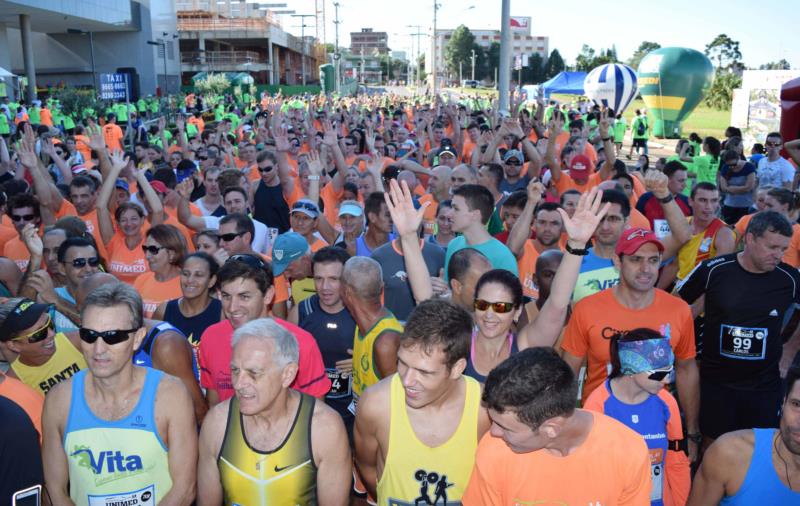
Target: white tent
6	73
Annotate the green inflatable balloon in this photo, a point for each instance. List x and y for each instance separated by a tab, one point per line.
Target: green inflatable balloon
672	81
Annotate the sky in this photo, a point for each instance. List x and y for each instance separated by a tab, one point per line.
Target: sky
766	31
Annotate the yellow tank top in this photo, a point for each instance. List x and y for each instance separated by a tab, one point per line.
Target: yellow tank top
285	476
365	372
699	248
415	473
62	365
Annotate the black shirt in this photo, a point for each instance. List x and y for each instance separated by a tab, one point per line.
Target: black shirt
744	313
20	457
270	207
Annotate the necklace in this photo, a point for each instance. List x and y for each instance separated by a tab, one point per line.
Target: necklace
785	464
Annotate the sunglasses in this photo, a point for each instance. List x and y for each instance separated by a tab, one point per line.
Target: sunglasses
153	250
772	144
110	337
252	261
202	157
23	217
513	163
497	307
81	262
229	237
265	169
660	374
39	334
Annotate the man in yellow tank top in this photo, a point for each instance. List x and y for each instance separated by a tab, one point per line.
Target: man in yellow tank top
377	333
270	444
417	431
43	358
710	236
117	433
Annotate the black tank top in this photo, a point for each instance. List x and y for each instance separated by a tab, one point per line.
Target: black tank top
334	335
193	327
270	208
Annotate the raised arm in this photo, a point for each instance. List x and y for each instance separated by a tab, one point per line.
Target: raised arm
547	326
793	148
156	207
550	157
608	145
98	143
104	197
284	171
521	231
330	140
185	216
680	233
531	153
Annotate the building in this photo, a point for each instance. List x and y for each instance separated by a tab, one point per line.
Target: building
68	42
368	42
235	36
522	42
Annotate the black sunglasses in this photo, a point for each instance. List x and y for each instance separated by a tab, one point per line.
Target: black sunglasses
497	307
23	217
229	237
660	374
513	163
251	260
153	250
110	337
39	334
81	262
265	169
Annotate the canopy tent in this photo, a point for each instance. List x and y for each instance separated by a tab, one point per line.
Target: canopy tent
568	83
6	73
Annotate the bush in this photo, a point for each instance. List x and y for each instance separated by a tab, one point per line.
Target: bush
720	95
74	101
213	84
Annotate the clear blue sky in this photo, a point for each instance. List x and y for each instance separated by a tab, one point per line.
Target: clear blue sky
766	30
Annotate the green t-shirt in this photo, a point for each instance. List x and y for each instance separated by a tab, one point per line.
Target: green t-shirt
495	225
706	167
35	115
690	168
4	127
635	128
619	130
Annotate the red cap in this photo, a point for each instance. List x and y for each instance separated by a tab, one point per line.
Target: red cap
580	162
634	238
159	186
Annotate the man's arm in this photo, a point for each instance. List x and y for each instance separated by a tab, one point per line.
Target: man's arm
54	459
713	480
172	354
385	353
284	171
608	146
793	148
680	233
369	417
550	155
521	231
687	379
175	404
209	483
331	456
104	197
184	190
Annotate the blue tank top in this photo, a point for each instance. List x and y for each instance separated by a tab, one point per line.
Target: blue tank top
194	326
362	250
470	369
144	355
334	335
761	485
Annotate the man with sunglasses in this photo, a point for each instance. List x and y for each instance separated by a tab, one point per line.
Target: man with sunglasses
773	169
118	433
43	357
22	208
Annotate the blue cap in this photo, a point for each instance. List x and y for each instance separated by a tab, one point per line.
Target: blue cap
288	247
121	183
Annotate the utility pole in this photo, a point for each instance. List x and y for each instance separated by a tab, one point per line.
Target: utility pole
336	55
417	34
473	64
460	72
505	55
303	37
433	55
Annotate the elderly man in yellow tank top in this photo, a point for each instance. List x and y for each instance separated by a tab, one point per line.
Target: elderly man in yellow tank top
269	444
117	433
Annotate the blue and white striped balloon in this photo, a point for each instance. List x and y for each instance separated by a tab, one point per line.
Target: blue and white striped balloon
611	85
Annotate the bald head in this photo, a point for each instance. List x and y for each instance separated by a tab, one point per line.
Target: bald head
364	278
88	284
409	177
461	175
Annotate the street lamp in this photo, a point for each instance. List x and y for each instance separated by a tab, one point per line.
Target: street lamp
75	31
303	38
162	45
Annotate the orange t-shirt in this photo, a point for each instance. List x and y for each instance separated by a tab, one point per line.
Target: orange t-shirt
82	145
16	250
7	232
112	134
198	122
596	317
638	220
46	117
792	254
527	268
125	264
171	218
429	217
30	400
330	197
611	466
565	182
155	292
93	227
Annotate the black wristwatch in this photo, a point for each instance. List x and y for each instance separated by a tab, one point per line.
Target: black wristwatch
666	200
604	139
577	251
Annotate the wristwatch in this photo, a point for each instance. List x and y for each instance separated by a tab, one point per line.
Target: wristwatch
666	200
313	178
604	139
577	251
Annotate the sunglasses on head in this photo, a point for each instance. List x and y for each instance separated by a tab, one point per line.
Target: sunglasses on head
22	217
81	262
659	374
39	334
153	250
109	336
229	237
497	307
252	261
304	205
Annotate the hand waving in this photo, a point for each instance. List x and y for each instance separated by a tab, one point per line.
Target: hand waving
586	218
406	219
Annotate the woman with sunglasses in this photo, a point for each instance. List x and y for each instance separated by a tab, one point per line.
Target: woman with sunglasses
642	363
164	248
38	356
125	235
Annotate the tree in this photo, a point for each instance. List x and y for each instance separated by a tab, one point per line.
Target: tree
644	48
720	95
421	68
330	48
585	59
458	50
534	71
726	52
781	64
554	65
492	60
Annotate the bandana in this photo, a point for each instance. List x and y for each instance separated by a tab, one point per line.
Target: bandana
645	355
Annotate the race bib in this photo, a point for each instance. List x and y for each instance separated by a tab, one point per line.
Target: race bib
272	232
340	384
142	497
657	479
661	228
743	343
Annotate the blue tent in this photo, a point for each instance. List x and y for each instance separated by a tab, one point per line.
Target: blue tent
568	83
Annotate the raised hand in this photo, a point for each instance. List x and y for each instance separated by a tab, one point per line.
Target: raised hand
162	123
657	182
96	140
604	124
26	149
282	141
314	163
329	134
118	161
406	219
513	128
536	192
588	214
185	188
30	236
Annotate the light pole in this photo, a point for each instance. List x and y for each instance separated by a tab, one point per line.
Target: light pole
473	64
163	46
433	51
303	38
417	34
336	55
91	52
505	55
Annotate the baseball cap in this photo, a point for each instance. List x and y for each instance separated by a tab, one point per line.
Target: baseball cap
634	238
122	184
447	150
513	153
288	247
350	207
306	207
23	316
580	162
159	186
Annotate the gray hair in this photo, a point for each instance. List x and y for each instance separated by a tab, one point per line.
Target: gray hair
286	351
116	294
365	276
